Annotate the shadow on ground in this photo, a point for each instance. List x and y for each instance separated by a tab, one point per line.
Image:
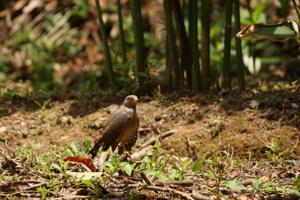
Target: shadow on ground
283	106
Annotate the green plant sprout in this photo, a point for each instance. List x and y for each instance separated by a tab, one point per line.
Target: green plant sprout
42	107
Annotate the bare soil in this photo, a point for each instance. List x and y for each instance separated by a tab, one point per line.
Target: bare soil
240	123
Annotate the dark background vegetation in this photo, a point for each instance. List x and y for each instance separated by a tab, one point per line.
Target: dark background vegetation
135	46
230	104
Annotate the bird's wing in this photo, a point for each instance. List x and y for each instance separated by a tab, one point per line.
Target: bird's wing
131	133
115	127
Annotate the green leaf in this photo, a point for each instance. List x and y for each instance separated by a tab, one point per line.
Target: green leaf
257	13
175	175
161	176
87	145
74	148
43	191
279	32
297	183
284	7
85	176
210	175
234	185
198	165
55	167
2	77
256	184
157	144
128	168
2	177
89	183
185	165
269	189
295	193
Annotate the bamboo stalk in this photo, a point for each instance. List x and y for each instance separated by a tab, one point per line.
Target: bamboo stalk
109	68
205	42
193	34
227	46
121	32
238	46
172	42
184	50
138	39
169	64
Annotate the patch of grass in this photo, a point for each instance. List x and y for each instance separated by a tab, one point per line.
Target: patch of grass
160	166
276	154
42	106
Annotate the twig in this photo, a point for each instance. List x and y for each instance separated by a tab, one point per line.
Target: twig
103	158
35	186
198	196
166	189
296	8
173	106
138	156
28	194
72	196
145	178
128	178
160	136
180	183
8	184
27	188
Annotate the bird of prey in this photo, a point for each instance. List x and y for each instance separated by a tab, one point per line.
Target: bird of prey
121	128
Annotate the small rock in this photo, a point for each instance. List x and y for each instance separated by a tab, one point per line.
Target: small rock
190	120
160	117
96	125
253	104
264	178
243	130
24	132
3	129
24	135
23	123
65	120
157	118
294	105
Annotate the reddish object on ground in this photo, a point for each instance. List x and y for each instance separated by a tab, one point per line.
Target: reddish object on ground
86	161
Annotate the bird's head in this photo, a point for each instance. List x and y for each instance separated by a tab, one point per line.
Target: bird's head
130	101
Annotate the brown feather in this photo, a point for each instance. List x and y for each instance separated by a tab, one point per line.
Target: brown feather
121	129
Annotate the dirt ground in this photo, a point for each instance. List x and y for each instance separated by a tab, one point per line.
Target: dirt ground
239	123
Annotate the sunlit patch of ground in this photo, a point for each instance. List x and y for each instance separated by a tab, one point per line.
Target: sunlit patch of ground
237	124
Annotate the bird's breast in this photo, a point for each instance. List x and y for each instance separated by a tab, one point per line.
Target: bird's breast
129	133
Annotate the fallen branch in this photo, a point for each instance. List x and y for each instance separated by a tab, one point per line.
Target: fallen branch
27	188
35	186
103	158
170	190
198	196
138	156
145	178
74	196
27	195
7	184
160	136
180	183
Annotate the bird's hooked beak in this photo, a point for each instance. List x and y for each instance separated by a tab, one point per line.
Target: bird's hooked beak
135	99
131	100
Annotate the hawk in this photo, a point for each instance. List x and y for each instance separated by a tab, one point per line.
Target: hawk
121	128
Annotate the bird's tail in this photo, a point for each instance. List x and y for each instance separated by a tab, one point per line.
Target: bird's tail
93	152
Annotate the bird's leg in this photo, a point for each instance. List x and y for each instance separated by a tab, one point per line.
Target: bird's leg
125	154
93	152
